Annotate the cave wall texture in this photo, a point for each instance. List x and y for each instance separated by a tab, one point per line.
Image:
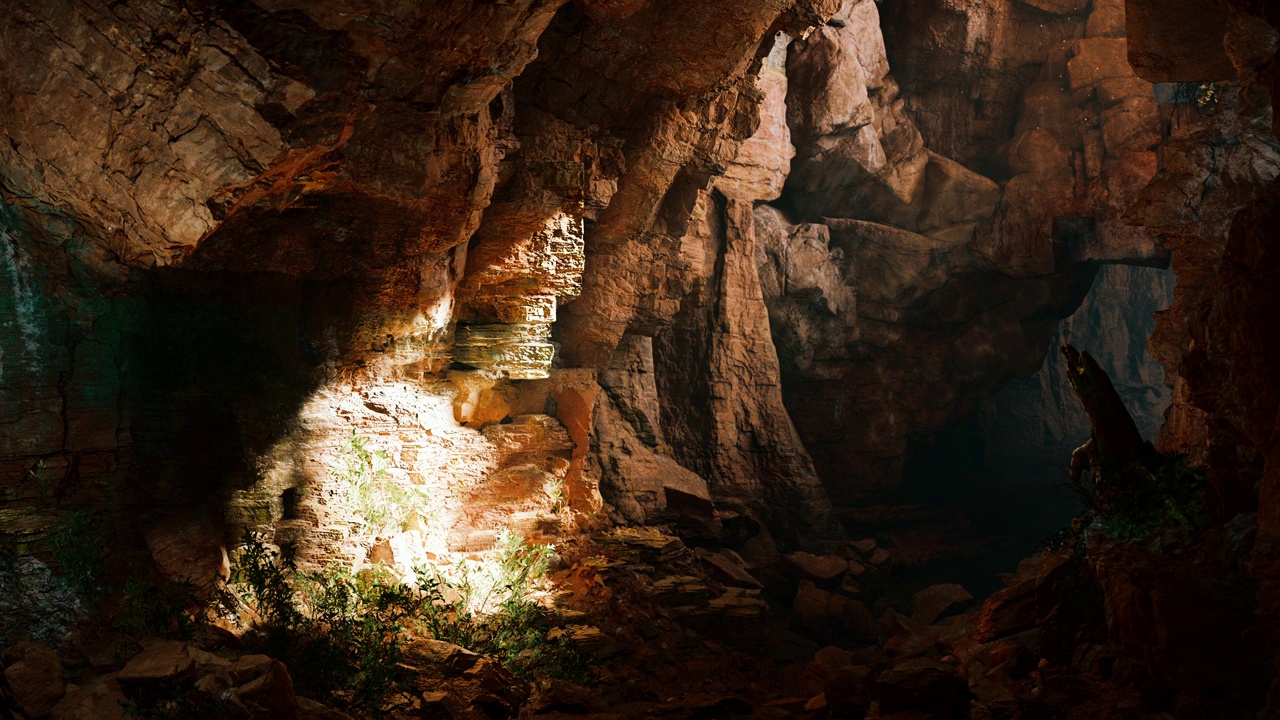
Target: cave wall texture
571	263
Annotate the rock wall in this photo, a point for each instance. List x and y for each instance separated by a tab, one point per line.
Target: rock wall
259	254
549	264
932	233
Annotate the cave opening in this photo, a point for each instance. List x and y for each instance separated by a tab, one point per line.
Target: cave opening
1000	474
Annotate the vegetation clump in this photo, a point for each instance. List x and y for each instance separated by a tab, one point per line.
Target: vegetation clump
379	504
1162	493
76	544
342	633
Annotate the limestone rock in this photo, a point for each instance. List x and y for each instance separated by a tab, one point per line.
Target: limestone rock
34	674
934	602
99	699
189	550
814	567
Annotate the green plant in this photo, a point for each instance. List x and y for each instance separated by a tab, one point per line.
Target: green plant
379	504
493	613
169	610
1204	96
1160	494
76	544
554	490
173	699
341	632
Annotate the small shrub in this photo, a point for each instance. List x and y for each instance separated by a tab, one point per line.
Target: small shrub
76	544
1162	494
174	700
379	504
170	610
496	616
1165	495
341	632
1203	96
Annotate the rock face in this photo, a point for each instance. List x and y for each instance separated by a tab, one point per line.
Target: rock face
887	259
276	254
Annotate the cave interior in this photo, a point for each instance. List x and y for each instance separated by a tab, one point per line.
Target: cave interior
639	359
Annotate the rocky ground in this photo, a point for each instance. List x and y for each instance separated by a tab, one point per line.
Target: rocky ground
1115	629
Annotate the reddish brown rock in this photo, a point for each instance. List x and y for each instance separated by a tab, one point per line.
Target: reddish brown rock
99	699
1177	41
189	550
34	675
814	567
922	685
159	661
932	603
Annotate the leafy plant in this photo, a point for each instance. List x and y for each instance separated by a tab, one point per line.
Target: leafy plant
1203	96
339	633
170	610
495	614
379	504
1161	494
76	544
173	699
554	490
342	632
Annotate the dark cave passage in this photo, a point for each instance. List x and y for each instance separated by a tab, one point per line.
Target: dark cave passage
998	478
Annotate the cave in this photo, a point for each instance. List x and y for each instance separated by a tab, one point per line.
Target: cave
631	359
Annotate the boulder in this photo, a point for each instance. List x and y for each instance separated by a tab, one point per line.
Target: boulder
189	550
159	661
450	659
270	693
1133	124
559	696
1008	611
849	691
309	709
819	609
1178	40
1097	59
935	602
922	685
728	568
99	699
34	675
818	568
1106	19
